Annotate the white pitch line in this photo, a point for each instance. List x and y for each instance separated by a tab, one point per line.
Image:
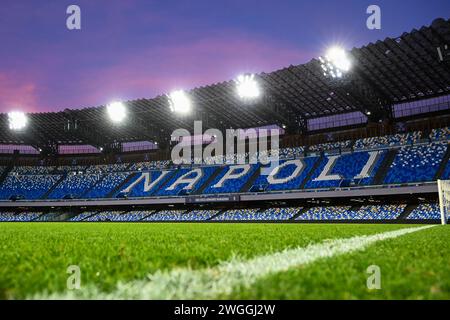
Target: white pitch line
209	283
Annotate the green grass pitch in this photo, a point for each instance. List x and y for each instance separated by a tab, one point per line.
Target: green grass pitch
34	258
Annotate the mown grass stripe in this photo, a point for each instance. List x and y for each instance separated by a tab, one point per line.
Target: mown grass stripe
209	283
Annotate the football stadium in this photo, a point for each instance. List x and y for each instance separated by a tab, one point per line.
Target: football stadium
349	201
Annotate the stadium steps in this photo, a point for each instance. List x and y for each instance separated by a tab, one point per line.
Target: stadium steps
57	183
311	172
121	185
52	219
216	215
65	216
385	166
246	187
151	214
37	218
302	211
208	182
443	164
93	214
409	208
355	208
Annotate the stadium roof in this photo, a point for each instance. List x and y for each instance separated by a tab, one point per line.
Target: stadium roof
384	73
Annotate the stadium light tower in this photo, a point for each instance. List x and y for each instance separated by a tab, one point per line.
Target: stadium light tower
117	111
17	120
335	63
247	87
179	102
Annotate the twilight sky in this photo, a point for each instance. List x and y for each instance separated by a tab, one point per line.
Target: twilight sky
129	49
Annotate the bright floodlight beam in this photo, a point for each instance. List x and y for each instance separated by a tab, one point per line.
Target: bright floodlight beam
179	102
17	120
117	111
247	87
335	63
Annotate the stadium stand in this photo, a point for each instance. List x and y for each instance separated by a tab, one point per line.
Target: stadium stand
98	169
19	217
49	216
343	170
166	215
270	214
369	212
67	169
330	146
416	163
290	153
191	180
82	216
150	165
75	185
381	212
32	170
104	216
242	172
328	213
285	178
425	211
238	214
143	184
28	186
106	184
440	134
388	141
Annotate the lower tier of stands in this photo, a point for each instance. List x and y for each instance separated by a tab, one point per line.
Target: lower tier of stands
19	217
370	212
379	212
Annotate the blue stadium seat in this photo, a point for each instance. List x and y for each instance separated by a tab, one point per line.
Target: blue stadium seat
28	186
19	217
75	185
285	172
347	166
107	184
232	185
425	211
416	164
187	173
271	214
136	186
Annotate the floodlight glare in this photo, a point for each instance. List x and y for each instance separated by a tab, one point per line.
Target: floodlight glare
335	63
17	120
247	87
179	102
116	111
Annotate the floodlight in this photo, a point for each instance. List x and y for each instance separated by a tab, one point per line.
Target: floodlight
247	87
17	120
116	111
179	102
335	63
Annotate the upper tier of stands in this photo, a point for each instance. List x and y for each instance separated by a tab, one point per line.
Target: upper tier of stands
416	159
